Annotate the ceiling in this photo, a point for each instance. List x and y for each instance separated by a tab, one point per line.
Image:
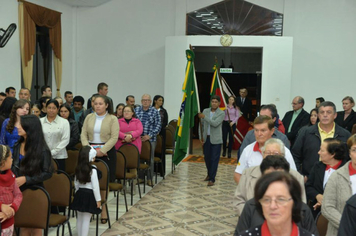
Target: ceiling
235	17
83	3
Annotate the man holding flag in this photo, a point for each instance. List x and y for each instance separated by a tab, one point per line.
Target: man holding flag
212	119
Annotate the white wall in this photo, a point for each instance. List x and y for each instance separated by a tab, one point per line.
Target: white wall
10	61
276	67
122	43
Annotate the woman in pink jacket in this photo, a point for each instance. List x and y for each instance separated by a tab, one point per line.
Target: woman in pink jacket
130	129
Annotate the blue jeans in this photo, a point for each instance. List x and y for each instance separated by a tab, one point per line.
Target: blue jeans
211	157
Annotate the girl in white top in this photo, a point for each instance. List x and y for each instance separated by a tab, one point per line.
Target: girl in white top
87	199
56	131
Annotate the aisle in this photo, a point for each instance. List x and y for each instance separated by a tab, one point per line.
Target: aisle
182	204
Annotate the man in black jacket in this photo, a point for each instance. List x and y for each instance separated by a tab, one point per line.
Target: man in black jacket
307	144
245	105
295	119
348	219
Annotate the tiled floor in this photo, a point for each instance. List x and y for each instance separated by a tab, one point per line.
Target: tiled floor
181	204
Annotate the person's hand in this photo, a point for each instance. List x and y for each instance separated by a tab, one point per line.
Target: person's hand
98	204
3	217
20	181
201	141
231	124
305	179
316	206
145	138
7	209
201	115
128	138
319	198
99	153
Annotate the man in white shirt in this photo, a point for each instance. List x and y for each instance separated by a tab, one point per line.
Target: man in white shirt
252	155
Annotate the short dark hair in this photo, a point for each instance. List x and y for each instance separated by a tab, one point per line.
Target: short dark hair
78	99
43	99
293	186
264	119
102	85
337	148
275	161
44	87
54	101
67	92
271	108
327	104
129	96
217	97
2	94
320	99
7	90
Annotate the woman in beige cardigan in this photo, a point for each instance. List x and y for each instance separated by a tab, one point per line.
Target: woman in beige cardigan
101	130
339	188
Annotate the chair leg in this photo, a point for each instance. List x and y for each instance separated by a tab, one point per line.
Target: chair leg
117	206
144	181
126	199
139	189
58	230
156	167
107	210
97	225
70	230
163	173
131	192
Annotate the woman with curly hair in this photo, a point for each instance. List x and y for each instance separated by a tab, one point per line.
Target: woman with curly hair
9	133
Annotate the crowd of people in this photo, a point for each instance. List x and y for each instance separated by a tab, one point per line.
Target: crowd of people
35	135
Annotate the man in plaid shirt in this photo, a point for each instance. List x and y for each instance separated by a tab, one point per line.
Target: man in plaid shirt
151	122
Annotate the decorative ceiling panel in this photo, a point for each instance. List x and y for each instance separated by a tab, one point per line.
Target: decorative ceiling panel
235	17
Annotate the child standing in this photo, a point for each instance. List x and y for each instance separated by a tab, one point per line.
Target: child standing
10	194
87	199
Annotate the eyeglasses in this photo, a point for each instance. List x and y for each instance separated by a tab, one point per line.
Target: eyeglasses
145	100
278	201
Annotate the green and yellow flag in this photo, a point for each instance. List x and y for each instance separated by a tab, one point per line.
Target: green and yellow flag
188	109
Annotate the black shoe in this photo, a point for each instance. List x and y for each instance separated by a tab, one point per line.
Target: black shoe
229	155
224	153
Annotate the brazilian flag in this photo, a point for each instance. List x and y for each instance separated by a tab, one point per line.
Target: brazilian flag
188	109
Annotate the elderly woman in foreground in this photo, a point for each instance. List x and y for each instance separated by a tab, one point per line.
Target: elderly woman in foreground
278	199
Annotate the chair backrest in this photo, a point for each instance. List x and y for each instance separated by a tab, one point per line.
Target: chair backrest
132	155
59	188
169	138
321	224
34	210
172	129
173	123
71	161
159	144
146	151
105	173
54	164
120	165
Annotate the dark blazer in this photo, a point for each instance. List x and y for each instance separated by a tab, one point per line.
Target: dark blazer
246	108
250	218
348	218
74	134
348	123
301	120
314	184
307	145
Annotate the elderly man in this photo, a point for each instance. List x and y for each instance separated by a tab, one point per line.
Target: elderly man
295	119
151	122
212	119
25	94
248	216
252	154
270	111
249	177
307	145
244	104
